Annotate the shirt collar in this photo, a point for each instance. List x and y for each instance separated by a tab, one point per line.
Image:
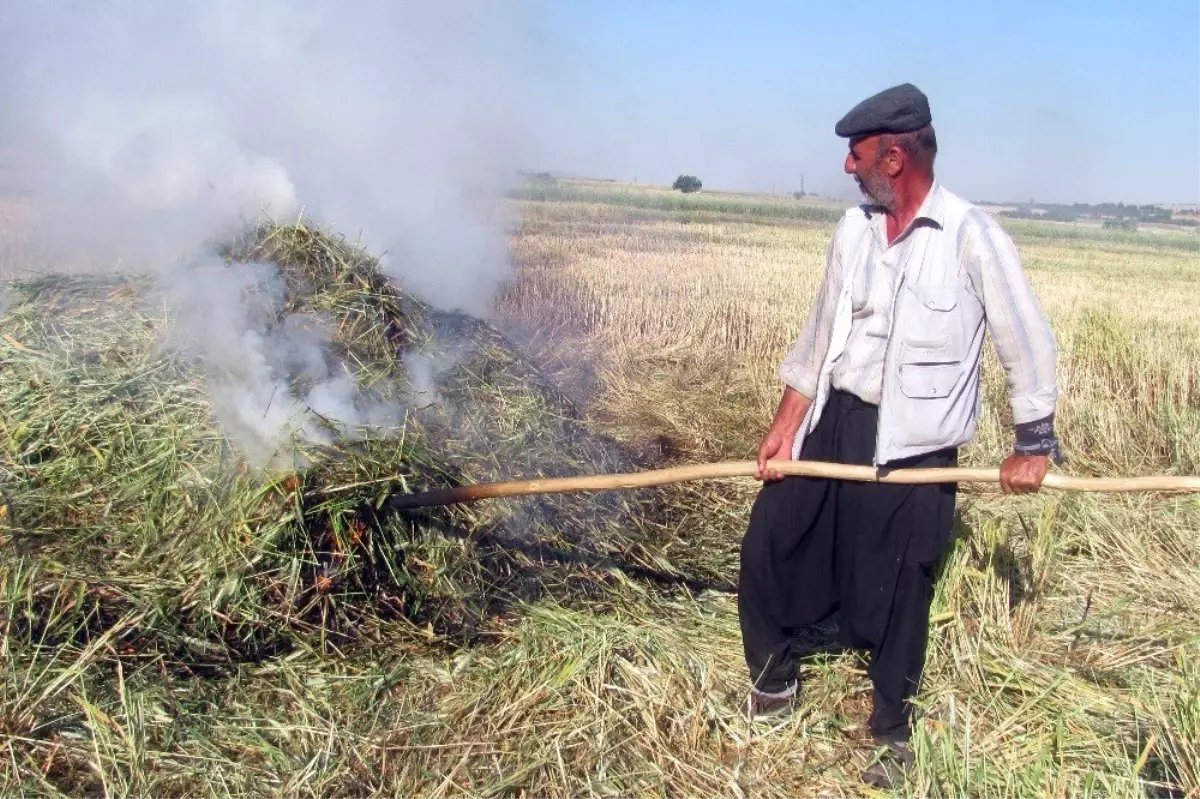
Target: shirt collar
932	208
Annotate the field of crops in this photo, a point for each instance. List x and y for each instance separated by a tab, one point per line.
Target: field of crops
174	624
1055	639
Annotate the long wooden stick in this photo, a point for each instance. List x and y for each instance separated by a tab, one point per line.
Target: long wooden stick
711	471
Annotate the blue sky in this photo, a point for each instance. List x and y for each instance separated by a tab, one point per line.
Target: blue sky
1054	101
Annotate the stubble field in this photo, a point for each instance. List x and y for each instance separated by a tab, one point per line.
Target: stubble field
1064	657
1064	652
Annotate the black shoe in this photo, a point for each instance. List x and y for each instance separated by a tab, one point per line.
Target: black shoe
762	706
888	771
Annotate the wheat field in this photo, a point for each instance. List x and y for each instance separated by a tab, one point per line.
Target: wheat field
163	633
1064	657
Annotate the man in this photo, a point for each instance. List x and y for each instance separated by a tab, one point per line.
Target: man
887	373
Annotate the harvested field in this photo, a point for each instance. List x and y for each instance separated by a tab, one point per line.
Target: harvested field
176	622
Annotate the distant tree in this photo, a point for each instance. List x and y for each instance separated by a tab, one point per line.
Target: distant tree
687	184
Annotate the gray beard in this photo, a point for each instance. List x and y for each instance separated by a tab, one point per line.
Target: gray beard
879	192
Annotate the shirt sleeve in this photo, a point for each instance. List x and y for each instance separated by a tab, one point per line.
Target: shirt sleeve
1019	330
802	365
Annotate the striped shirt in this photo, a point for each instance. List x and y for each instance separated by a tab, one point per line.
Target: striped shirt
990	267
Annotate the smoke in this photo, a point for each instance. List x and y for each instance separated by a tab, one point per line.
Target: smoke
258	363
422	375
147	128
145	133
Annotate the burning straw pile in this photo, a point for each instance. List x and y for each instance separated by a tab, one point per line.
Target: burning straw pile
135	537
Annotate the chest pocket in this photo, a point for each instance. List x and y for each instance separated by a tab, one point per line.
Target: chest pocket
933	320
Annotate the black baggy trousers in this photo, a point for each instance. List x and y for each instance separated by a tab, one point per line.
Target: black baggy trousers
867	550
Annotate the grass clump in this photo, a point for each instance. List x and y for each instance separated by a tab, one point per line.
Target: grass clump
178	623
138	541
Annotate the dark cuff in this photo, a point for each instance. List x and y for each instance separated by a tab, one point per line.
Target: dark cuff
1037	438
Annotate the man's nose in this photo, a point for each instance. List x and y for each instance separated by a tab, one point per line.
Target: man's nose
849	165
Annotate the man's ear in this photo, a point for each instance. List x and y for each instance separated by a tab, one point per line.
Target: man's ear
893	161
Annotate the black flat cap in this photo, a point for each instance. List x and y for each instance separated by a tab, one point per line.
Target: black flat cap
899	109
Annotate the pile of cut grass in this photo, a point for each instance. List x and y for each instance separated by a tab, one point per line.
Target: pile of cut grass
137	542
177	625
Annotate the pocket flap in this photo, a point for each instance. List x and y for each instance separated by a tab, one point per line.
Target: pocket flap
936	298
928	354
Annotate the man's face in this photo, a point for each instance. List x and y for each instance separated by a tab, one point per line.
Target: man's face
866	163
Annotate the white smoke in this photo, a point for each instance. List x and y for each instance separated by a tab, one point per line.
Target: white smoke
145	132
149	127
227	317
422	373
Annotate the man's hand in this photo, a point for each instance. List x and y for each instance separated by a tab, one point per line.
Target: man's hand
775	446
1023	474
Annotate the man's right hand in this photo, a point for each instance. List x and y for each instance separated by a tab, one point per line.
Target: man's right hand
775	446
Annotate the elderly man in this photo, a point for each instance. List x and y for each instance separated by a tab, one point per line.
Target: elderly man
887	373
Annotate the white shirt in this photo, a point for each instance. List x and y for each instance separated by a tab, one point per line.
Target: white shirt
966	253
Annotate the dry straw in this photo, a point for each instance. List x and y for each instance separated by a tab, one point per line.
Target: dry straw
171	625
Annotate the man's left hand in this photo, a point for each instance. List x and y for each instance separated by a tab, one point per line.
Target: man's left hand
1023	474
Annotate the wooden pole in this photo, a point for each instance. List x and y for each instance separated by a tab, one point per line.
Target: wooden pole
837	471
